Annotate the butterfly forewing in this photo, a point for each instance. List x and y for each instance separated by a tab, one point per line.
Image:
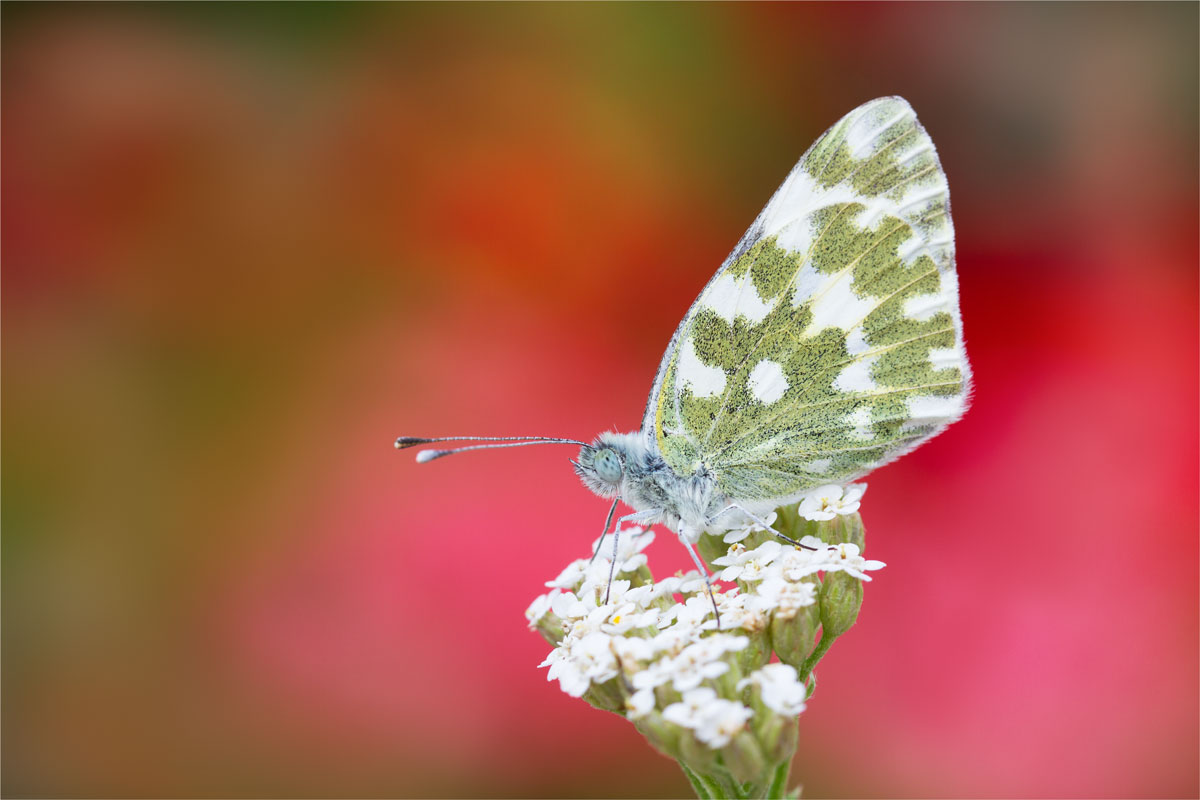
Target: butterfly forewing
830	341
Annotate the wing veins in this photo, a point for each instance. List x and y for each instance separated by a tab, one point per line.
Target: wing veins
878	351
855	396
913	177
810	453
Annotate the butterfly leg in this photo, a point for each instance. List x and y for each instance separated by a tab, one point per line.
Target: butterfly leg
638	516
760	522
703	571
608	521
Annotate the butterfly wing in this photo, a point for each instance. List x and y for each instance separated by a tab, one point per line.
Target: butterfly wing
830	341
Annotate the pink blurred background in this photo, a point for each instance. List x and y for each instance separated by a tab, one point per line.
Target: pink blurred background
245	246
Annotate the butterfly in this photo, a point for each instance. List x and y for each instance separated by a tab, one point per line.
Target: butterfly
828	344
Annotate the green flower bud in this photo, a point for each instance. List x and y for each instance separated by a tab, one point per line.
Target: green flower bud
840	599
777	735
754	656
789	522
550	627
794	637
696	754
711	546
726	683
662	735
744	758
606	696
844	528
640	577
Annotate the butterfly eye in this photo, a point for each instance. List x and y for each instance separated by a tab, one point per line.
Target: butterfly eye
607	465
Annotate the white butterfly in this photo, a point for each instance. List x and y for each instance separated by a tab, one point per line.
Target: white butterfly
827	344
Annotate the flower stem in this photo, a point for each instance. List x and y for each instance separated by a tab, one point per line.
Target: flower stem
779	780
704	788
822	648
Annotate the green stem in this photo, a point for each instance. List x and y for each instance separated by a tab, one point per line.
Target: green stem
822	648
729	785
704	787
709	787
779	781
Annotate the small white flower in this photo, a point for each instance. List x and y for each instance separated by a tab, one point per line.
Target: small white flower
786	597
826	502
595	572
672	640
747	565
630	557
568	607
692	581
782	691
595	657
795	563
746	611
628	617
564	669
692	667
571	577
633	651
846	558
742	531
653	676
539	607
641	596
596	585
639	704
691	613
688	712
666	587
720	721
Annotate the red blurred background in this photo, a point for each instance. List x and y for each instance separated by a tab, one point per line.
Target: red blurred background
245	246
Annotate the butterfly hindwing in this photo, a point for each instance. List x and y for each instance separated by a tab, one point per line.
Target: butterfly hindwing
830	340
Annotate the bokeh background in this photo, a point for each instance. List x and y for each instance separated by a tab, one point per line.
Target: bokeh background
245	246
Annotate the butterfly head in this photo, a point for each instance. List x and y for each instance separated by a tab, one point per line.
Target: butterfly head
601	464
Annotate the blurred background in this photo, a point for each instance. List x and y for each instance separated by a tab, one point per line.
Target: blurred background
245	246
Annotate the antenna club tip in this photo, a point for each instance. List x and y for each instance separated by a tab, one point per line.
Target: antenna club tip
408	441
429	455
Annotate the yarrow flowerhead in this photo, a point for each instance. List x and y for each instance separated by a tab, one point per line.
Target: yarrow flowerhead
704	690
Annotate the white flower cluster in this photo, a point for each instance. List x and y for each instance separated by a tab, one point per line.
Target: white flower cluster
657	649
772	561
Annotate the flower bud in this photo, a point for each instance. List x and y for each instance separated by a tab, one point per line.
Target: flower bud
794	637
844	528
543	620
778	735
840	599
662	735
744	758
696	754
606	696
711	547
753	656
789	522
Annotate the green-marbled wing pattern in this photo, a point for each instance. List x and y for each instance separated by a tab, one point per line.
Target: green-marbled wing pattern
830	341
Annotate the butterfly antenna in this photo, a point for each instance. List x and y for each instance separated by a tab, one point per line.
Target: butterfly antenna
500	441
